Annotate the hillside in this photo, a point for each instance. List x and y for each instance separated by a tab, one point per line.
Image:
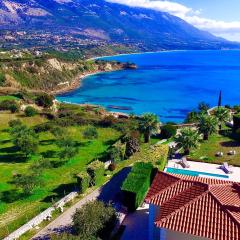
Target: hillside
49	73
97	19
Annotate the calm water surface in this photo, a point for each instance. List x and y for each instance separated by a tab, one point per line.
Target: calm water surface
169	84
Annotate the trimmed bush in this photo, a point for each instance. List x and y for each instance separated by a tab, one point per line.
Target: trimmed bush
136	185
96	172
168	131
83	180
30	111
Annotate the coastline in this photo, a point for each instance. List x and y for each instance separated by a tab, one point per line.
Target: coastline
76	82
136	53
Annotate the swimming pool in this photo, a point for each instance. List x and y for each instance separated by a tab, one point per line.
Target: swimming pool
194	173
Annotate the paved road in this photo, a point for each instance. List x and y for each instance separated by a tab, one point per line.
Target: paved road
107	193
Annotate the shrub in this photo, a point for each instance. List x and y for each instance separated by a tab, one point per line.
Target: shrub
96	172
30	111
94	219
168	131
112	167
27	182
90	133
68	147
14	123
8	105
45	100
14	108
136	185
43	127
83	180
236	121
25	139
108	121
132	146
40	165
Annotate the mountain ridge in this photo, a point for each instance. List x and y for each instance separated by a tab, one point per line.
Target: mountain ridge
107	21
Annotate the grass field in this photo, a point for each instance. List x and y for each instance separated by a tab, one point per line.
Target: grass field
217	143
15	209
8	97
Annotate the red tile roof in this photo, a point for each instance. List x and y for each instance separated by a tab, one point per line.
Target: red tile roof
199	206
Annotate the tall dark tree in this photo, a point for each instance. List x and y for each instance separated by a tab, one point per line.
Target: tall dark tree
220	99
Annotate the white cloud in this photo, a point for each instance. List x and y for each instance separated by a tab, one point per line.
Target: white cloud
229	30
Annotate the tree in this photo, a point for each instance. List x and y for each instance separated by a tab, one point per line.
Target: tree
132	146
27	182
168	131
187	140
25	139
149	123
192	117
30	111
207	125
203	107
223	115
68	148
45	100
220	99
90	133
94	219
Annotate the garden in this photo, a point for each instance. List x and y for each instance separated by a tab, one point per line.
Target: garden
46	155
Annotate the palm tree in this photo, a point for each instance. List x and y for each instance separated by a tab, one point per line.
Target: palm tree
223	115
149	123
187	139
207	125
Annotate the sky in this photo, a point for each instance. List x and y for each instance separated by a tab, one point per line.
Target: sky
220	17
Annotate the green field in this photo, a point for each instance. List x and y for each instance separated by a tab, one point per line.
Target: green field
217	143
15	209
8	97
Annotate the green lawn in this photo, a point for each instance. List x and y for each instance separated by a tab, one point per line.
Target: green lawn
217	143
8	97
14	209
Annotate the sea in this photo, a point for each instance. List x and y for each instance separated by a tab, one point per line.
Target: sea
168	83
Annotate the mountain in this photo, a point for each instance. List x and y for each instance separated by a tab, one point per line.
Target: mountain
98	19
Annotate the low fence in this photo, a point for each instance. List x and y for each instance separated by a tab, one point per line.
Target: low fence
45	215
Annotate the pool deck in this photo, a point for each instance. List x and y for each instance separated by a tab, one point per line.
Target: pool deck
208	168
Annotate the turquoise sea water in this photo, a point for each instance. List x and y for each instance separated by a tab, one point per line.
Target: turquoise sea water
194	173
169	84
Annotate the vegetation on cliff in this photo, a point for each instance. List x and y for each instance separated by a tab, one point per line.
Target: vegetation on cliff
50	72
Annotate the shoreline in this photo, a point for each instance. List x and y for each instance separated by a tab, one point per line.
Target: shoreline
77	81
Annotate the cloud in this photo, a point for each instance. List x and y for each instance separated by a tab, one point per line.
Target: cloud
229	30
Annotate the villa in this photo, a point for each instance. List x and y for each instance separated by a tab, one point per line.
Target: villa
185	207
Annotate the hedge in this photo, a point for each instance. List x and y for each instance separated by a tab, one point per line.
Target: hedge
83	180
96	172
136	185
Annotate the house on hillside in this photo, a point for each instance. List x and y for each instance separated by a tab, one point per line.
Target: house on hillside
193	208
